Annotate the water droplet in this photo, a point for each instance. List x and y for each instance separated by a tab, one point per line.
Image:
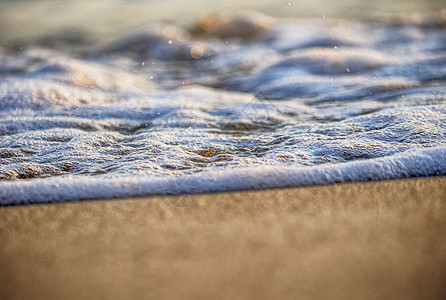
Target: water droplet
289	3
197	51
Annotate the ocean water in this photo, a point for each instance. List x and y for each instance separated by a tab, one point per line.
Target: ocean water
231	101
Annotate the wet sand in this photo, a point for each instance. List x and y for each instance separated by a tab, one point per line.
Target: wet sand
376	240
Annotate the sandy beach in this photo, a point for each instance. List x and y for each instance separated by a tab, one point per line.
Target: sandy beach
376	240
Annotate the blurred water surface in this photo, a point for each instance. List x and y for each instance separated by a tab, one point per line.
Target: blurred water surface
104	19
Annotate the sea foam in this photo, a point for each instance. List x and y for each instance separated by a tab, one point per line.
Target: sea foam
199	109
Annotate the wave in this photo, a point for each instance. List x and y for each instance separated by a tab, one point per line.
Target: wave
280	103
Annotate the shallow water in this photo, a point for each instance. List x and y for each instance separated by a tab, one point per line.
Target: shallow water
230	102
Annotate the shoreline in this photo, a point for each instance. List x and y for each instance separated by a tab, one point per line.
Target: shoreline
416	163
369	240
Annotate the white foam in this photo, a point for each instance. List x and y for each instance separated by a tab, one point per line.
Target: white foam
311	103
428	162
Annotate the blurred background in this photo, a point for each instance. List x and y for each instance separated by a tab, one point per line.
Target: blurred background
23	21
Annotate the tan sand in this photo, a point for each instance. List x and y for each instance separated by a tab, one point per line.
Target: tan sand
382	240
